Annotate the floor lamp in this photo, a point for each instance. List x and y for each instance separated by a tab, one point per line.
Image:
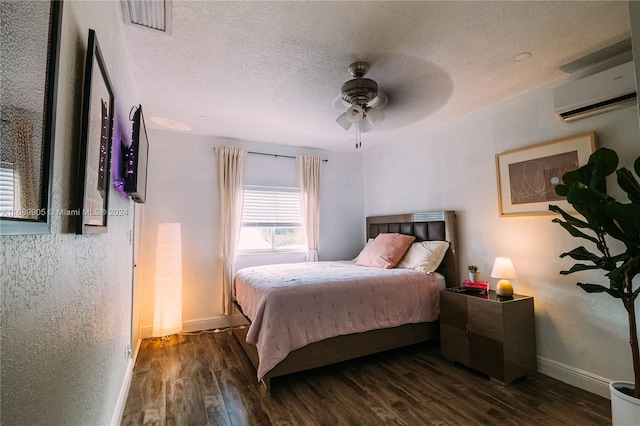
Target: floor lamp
167	313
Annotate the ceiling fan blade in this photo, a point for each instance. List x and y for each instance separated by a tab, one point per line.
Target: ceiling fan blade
339	103
344	121
379	101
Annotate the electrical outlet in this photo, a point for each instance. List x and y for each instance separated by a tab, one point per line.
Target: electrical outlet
128	354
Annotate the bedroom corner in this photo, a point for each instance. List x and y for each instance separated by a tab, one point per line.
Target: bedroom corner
194	203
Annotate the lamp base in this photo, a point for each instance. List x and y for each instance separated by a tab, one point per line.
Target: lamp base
504	288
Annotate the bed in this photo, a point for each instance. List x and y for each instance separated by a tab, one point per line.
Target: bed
349	341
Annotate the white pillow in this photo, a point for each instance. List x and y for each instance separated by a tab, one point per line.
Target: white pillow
424	256
363	249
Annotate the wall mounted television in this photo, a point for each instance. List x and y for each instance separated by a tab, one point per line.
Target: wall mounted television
136	158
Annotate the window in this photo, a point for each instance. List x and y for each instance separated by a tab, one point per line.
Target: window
7	192
271	220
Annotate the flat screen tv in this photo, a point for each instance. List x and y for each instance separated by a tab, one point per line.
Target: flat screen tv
136	157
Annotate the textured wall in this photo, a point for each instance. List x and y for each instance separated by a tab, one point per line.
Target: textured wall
587	332
66	299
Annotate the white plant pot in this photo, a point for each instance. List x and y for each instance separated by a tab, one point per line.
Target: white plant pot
625	409
474	277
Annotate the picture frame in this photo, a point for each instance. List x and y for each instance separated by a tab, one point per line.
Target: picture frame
527	177
95	142
27	133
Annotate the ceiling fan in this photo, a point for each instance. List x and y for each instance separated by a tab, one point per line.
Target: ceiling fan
365	99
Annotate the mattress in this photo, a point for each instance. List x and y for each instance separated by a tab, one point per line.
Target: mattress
292	305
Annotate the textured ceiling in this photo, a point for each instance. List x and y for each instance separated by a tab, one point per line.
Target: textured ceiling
272	71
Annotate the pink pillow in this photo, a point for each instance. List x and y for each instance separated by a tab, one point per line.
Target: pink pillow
385	251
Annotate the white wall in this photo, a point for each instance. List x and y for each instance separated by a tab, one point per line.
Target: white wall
453	167
182	187
66	299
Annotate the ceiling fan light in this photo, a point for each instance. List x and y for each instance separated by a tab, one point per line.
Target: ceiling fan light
355	114
364	100
344	121
365	126
375	116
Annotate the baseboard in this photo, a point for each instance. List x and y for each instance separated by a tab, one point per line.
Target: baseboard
574	376
202	324
136	350
124	391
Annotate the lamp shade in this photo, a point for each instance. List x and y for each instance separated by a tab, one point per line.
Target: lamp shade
375	116
167	313
365	126
344	121
503	268
355	114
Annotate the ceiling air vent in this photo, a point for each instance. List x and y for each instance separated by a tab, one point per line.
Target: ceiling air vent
151	14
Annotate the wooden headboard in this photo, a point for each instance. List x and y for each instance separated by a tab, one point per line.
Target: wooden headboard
426	226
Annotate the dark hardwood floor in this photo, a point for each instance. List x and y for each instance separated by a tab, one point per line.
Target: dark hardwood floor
206	379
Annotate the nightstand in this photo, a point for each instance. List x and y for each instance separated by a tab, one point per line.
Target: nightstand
493	336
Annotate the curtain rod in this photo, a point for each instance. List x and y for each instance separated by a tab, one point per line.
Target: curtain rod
277	155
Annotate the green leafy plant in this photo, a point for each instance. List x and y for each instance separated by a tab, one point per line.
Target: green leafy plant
605	219
472	268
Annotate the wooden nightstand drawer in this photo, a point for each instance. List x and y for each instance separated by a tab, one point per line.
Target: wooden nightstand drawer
485	318
456	313
454	344
488	334
487	356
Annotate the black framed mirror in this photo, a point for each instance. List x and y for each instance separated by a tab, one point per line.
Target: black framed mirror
29	52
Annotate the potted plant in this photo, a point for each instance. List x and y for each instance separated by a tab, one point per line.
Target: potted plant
602	220
474	275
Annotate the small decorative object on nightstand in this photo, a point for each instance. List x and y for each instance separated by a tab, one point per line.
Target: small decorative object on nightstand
474	275
503	269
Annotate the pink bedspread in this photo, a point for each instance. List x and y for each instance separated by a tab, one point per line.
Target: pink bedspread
292	305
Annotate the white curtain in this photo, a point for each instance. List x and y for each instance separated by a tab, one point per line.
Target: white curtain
231	170
22	144
309	186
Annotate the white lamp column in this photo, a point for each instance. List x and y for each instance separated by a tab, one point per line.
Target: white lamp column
167	313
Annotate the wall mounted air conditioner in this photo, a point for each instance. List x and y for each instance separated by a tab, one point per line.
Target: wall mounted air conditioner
604	91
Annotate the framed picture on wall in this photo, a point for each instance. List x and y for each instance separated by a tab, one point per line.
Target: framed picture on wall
95	142
527	177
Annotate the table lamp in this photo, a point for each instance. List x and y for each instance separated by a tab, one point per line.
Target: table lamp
503	269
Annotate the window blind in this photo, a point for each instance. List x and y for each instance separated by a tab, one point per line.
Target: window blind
271	206
6	189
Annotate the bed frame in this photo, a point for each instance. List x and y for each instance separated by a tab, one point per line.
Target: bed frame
427	226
